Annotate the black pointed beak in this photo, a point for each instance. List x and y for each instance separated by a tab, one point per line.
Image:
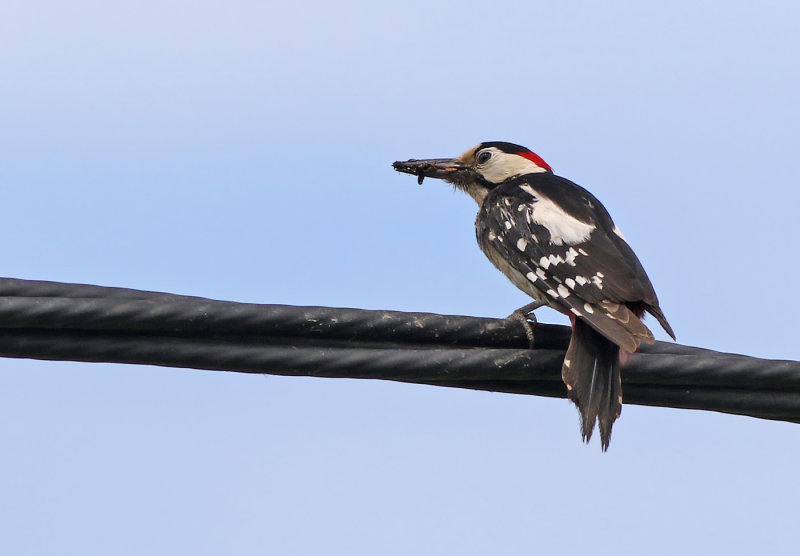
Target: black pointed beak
449	169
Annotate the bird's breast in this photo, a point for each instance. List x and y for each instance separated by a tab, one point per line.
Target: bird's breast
503	266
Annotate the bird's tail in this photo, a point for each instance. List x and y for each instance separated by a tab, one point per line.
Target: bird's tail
591	373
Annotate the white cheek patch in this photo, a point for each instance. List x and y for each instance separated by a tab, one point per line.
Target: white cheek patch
502	166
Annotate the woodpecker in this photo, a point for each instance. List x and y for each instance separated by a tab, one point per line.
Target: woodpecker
556	242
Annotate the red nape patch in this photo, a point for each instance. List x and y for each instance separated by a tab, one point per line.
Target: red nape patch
536	159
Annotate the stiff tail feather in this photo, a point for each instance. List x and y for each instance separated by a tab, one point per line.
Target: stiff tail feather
591	373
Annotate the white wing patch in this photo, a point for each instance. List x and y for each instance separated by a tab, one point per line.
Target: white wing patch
563	228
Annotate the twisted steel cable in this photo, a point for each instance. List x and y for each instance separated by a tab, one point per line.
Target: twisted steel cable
57	321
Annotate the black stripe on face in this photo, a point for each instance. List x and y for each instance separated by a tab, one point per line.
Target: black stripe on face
480	180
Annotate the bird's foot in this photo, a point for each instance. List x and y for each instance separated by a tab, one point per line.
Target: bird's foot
525	316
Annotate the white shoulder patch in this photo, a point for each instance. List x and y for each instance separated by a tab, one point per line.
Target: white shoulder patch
563	228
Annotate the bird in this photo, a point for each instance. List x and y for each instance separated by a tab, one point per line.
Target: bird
557	243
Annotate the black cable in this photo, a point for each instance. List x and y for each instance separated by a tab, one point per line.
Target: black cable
48	320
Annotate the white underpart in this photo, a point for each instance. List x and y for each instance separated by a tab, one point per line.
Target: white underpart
563	228
502	166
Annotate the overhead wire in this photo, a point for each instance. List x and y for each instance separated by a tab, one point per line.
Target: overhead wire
78	322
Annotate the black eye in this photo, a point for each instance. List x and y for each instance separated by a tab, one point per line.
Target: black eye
484	157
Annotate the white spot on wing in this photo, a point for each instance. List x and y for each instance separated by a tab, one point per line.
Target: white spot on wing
541	273
582	252
508	224
581	280
563	291
552	293
522	244
588	308
575	311
528	215
531	276
544	262
570	257
570	283
555	259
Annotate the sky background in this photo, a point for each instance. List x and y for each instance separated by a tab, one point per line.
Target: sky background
242	150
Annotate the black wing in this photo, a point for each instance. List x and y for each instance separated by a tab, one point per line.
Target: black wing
562	241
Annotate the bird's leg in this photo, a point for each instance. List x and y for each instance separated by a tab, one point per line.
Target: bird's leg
525	316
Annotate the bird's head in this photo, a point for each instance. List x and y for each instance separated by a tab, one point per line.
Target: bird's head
479	169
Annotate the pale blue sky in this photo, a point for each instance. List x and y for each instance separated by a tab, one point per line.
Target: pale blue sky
242	151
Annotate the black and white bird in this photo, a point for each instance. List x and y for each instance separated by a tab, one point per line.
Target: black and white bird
556	242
